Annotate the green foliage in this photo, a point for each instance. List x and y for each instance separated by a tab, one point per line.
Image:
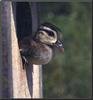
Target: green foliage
68	75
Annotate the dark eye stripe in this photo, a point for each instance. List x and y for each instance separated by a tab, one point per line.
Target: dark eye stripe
53	27
50	33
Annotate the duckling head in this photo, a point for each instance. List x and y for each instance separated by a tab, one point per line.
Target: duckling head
49	34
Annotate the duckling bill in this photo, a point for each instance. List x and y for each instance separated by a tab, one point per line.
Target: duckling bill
59	45
40	49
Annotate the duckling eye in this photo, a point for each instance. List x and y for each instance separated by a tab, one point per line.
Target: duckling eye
51	33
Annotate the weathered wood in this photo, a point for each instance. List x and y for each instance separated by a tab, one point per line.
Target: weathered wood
16	82
20	83
37	79
5	17
37	69
0	55
16	77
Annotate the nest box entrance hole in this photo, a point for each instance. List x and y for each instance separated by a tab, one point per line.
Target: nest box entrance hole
23	20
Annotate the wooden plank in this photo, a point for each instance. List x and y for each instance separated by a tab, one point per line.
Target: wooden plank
37	69
16	82
5	64
19	75
37	82
0	56
16	77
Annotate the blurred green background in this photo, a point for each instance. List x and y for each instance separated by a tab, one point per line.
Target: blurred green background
68	75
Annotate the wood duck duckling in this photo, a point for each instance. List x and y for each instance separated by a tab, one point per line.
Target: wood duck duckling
39	49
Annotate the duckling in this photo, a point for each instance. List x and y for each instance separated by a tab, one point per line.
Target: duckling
40	49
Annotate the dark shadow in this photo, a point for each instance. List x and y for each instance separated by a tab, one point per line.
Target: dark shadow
24	28
23	20
29	76
26	21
